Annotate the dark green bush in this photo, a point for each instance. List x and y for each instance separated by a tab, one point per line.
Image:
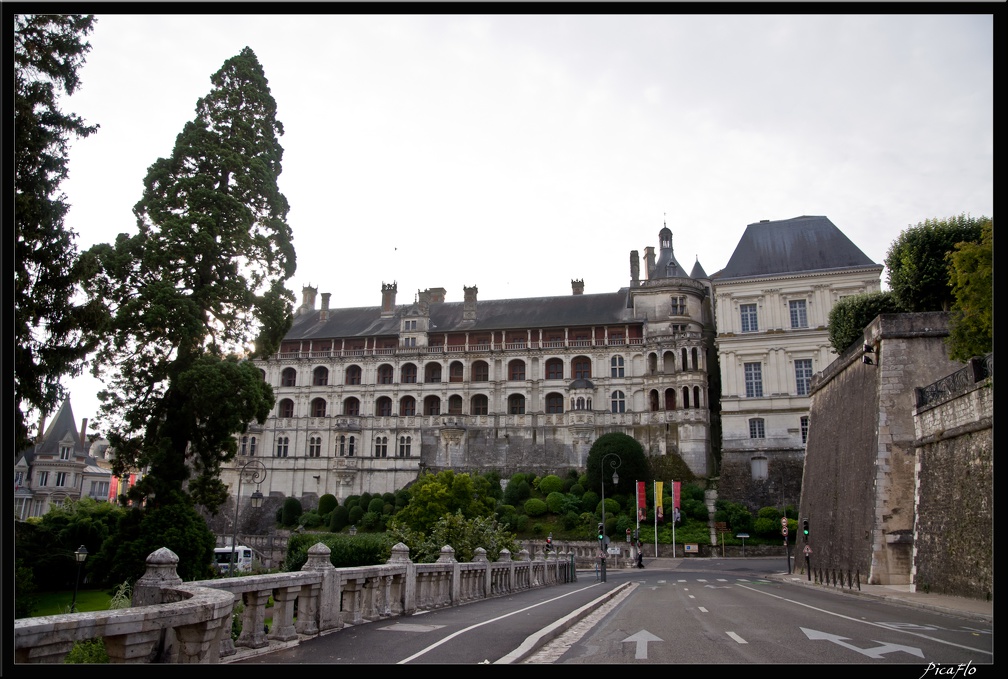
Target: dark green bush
356	513
292	511
363	549
589	501
555	502
518	490
576	489
91	651
310	519
376	505
339	519
327	503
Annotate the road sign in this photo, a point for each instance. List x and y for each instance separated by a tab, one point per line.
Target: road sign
807	550
783	521
783	530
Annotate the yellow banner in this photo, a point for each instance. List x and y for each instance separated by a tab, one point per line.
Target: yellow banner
659	514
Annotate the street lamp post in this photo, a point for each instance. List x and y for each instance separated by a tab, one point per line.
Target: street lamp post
79	555
615	479
257	472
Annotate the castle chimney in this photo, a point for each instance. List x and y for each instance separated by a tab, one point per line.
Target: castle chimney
649	261
41	428
437	295
578	286
307	299
469	305
634	269
388	293
83	432
324	315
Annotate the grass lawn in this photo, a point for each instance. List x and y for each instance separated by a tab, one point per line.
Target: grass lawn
55	603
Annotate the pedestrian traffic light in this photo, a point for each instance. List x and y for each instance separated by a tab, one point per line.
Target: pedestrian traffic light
804	524
549	539
601	532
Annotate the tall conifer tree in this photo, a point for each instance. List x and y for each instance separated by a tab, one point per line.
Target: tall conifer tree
197	292
53	329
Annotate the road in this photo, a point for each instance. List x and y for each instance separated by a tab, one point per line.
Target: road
700	612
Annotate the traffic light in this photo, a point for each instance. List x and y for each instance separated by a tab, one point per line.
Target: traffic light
601	532
549	539
804	528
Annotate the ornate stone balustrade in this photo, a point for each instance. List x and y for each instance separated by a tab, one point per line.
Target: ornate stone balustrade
175	622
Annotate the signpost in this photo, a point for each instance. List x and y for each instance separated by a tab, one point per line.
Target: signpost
808	553
743	536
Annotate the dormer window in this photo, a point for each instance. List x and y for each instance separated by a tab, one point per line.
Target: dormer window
64	452
409	325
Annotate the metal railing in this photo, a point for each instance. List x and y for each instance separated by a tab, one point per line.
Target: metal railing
976	370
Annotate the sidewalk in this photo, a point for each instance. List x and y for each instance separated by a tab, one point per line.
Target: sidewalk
974	609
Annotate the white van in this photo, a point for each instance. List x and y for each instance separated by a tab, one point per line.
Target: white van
242	559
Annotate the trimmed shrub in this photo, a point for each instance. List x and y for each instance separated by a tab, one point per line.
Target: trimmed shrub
327	503
292	511
551	484
339	519
535	507
555	502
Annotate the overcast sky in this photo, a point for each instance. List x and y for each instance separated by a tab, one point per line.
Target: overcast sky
518	152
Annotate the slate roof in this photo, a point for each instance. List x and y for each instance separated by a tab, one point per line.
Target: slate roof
501	314
800	244
61	424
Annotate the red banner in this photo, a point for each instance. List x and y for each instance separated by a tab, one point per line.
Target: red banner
675	494
641	501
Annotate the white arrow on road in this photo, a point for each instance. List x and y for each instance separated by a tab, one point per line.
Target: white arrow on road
876	652
641	639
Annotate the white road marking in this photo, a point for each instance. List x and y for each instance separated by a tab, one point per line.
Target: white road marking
737	638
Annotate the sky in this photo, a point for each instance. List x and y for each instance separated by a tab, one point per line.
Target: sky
518	152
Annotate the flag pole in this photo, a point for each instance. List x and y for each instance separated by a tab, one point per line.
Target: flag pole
654	491
673	518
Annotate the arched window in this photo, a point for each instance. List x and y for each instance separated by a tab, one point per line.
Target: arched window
432	372
342	445
350	447
668	362
405	442
685	363
616	367
554	369
479	405
455	405
318	406
481	371
516	404
455	371
315	446
353	374
618	402
288	377
696	364
696	397
685	397
252	446
286	408
653	400
244	446
670	399
381	446
283	444
262	374
385	374
407	406
516	370
383	406
351	406
320	376
409	372
432	405
581	368
580	403
554	403
652	363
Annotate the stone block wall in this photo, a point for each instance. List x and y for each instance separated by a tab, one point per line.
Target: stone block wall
954	532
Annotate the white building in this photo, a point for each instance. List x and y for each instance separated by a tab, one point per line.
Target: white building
772	303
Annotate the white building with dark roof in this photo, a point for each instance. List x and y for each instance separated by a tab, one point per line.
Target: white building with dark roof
57	468
367	397
772	303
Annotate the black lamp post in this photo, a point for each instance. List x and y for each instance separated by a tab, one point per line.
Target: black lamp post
257	472
615	478
80	555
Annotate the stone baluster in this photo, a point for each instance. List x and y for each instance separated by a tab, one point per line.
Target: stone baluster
254	619
283	613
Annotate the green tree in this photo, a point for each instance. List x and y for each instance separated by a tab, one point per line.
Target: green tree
327	503
918	265
631	463
53	332
434	495
971	270
461	533
849	317
200	285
